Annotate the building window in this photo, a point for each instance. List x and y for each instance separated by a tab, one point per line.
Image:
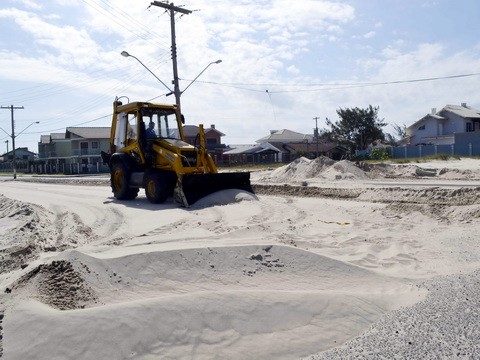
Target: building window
211	141
421	127
94	144
469	127
83	148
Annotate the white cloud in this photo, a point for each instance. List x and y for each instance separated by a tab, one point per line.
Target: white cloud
29	4
369	35
293	70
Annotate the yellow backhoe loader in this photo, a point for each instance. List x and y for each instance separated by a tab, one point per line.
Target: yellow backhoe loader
148	150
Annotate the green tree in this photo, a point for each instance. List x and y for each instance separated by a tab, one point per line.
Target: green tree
400	130
357	128
400	134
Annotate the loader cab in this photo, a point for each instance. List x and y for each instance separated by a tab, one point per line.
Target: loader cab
160	124
138	125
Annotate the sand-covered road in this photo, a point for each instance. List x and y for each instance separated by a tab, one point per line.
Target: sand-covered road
323	260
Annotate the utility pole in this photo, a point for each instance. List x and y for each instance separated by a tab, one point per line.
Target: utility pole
11	107
316	130
173	9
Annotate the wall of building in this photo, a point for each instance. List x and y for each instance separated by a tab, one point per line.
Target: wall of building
454	124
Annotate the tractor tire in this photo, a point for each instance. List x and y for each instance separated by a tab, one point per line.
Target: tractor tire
157	189
119	182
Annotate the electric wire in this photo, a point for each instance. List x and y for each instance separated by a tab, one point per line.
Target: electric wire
125	25
333	86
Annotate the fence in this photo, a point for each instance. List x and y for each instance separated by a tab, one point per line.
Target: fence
399	152
20	166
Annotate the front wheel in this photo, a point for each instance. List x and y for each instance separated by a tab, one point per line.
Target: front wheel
156	188
120	185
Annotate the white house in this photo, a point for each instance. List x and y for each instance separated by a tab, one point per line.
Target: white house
440	128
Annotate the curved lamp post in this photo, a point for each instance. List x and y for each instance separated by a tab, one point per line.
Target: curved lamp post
177	92
201	72
126	54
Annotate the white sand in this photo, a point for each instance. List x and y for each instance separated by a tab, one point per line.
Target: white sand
387	266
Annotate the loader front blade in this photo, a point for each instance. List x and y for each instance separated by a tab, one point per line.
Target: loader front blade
197	186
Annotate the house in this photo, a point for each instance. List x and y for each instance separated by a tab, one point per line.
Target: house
282	146
22	159
251	154
213	140
445	127
75	151
213	137
20	154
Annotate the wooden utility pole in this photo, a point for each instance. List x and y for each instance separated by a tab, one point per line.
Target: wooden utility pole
11	107
316	130
173	9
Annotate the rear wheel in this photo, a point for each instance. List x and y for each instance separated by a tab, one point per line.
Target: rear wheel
157	188
119	182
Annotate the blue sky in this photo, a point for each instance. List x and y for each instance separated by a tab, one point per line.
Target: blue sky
284	62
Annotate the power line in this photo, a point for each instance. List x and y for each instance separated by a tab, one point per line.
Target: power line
126	25
273	108
333	86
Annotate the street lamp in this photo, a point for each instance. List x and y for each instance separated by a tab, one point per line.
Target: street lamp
191	82
35	122
176	91
13	136
126	54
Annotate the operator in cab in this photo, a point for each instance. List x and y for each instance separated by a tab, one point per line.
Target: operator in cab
150	132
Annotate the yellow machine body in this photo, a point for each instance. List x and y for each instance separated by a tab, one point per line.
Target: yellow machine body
148	150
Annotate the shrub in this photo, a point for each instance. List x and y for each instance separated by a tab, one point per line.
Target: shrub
379	154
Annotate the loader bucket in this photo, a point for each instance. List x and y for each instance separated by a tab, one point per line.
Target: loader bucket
197	186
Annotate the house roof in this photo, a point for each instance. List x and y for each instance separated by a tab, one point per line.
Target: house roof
192	130
23	150
462	110
284	136
47	139
311	147
89	132
434	116
239	149
57	136
251	149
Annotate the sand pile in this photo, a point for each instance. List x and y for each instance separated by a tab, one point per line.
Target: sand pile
209	300
321	167
56	284
26	230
